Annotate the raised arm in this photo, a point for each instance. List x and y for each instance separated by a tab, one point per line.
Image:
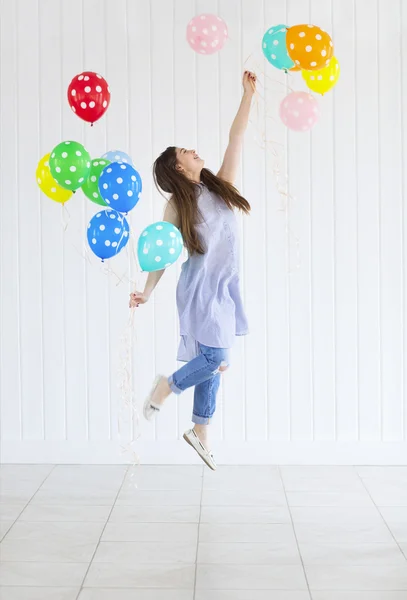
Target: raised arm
233	152
137	298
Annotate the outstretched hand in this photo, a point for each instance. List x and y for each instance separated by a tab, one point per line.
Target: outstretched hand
249	82
136	299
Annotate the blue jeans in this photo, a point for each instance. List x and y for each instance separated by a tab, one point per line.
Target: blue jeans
203	372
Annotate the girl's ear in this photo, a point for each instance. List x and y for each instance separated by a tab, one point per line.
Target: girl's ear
178	167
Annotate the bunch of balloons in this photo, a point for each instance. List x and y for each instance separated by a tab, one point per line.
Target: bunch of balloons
309	49
111	182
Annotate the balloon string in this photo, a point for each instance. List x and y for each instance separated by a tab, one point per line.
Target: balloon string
269	146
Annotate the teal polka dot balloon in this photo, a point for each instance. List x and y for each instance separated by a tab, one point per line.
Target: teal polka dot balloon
275	47
159	246
69	164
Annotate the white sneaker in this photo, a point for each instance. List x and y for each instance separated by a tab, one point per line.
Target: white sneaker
150	408
194	441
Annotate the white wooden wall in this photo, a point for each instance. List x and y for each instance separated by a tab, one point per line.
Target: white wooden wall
322	377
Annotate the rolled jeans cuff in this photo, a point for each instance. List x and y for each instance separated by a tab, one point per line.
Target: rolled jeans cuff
173	387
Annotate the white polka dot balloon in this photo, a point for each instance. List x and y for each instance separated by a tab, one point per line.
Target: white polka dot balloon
89	96
299	111
108	233
207	34
69	164
159	246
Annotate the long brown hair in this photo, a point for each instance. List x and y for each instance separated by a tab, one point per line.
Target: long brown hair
183	195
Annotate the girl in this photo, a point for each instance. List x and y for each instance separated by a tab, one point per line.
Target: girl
209	304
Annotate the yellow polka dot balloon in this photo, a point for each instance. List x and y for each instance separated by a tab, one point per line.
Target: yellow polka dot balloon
309	47
323	80
47	183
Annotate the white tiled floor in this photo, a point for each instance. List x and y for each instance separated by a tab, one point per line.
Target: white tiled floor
185	533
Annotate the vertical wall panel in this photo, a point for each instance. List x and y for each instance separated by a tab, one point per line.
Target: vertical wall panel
52	235
323	254
275	88
369	235
70	62
300	223
391	266
10	339
29	224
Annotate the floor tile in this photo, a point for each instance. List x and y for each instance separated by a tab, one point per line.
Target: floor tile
38	593
140	576
387	494
320	484
343	532
251	595
330	595
319	471
383	474
155	514
4	528
24	472
351	554
245	514
56	551
266	479
310	514
51	531
250	577
247	497
164	478
129	553
10	512
159	498
97	474
249	553
357	578
140	594
329	499
82	497
65	513
42	574
247	532
150	532
396	519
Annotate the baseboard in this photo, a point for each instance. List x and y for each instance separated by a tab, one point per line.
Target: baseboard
227	453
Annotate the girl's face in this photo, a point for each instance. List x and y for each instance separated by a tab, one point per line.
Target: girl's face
188	162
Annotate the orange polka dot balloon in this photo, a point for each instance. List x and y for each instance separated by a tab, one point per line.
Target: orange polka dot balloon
309	46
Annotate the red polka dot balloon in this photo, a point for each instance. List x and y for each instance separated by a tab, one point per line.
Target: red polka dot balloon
89	96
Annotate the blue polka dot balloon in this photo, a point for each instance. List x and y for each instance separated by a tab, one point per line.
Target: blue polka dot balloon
120	186
159	246
118	156
275	47
108	233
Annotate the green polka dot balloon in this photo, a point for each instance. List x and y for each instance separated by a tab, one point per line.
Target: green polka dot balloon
69	164
91	186
159	246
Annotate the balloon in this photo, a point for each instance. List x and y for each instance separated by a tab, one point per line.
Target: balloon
108	233
91	186
309	46
118	155
207	34
324	80
69	164
295	68
159	246
299	111
89	96
275	49
120	186
47	183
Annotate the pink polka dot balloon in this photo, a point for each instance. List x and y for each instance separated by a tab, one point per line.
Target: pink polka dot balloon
207	34
299	111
